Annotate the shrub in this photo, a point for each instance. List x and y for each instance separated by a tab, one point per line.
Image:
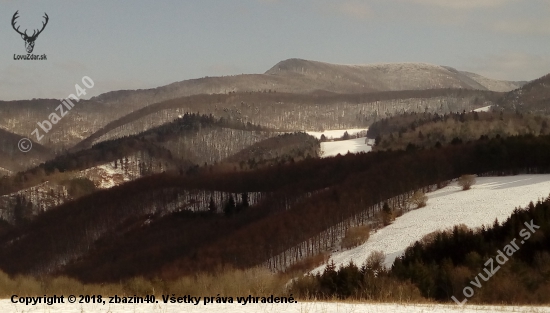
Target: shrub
355	236
375	260
466	181
419	199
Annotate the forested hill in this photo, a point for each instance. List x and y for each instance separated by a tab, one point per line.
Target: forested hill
534	97
430	130
242	219
300	76
292	112
189	140
12	159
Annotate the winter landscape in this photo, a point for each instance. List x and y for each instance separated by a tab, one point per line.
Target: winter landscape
275	156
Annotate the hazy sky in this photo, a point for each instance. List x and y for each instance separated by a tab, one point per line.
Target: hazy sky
142	44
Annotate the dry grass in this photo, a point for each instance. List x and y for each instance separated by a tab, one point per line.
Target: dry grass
303	266
255	281
355	236
228	282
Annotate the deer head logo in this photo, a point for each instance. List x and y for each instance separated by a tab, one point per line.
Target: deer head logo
29	40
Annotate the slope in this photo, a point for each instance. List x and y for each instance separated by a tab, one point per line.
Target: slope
489	199
533	97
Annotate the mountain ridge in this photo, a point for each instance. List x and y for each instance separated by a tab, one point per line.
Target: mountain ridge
283	77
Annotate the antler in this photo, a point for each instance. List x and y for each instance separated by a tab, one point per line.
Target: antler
35	34
13	24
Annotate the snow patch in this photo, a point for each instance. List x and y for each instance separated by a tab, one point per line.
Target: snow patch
4	171
483	109
106	176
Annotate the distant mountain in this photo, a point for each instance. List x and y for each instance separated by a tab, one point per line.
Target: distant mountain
303	76
493	84
264	99
386	77
86	117
533	97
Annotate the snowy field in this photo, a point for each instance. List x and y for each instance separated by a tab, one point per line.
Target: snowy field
489	198
336	133
332	148
302	307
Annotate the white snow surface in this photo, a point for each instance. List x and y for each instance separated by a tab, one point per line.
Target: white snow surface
106	176
332	148
483	109
311	307
489	198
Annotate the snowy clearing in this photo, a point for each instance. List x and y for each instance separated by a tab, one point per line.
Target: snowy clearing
301	307
336	133
106	176
483	109
332	148
4	171
489	198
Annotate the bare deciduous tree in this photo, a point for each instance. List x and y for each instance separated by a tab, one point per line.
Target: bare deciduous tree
419	199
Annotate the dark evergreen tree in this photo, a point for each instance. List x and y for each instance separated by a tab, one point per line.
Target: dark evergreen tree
212	206
244	202
230	206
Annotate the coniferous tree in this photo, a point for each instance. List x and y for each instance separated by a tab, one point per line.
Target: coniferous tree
229	208
245	203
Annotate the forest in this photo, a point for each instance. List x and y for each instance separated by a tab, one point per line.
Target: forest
430	130
274	216
182	146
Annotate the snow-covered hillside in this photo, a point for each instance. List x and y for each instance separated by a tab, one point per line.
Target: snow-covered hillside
311	307
489	198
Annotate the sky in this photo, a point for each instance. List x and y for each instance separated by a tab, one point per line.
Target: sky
144	44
